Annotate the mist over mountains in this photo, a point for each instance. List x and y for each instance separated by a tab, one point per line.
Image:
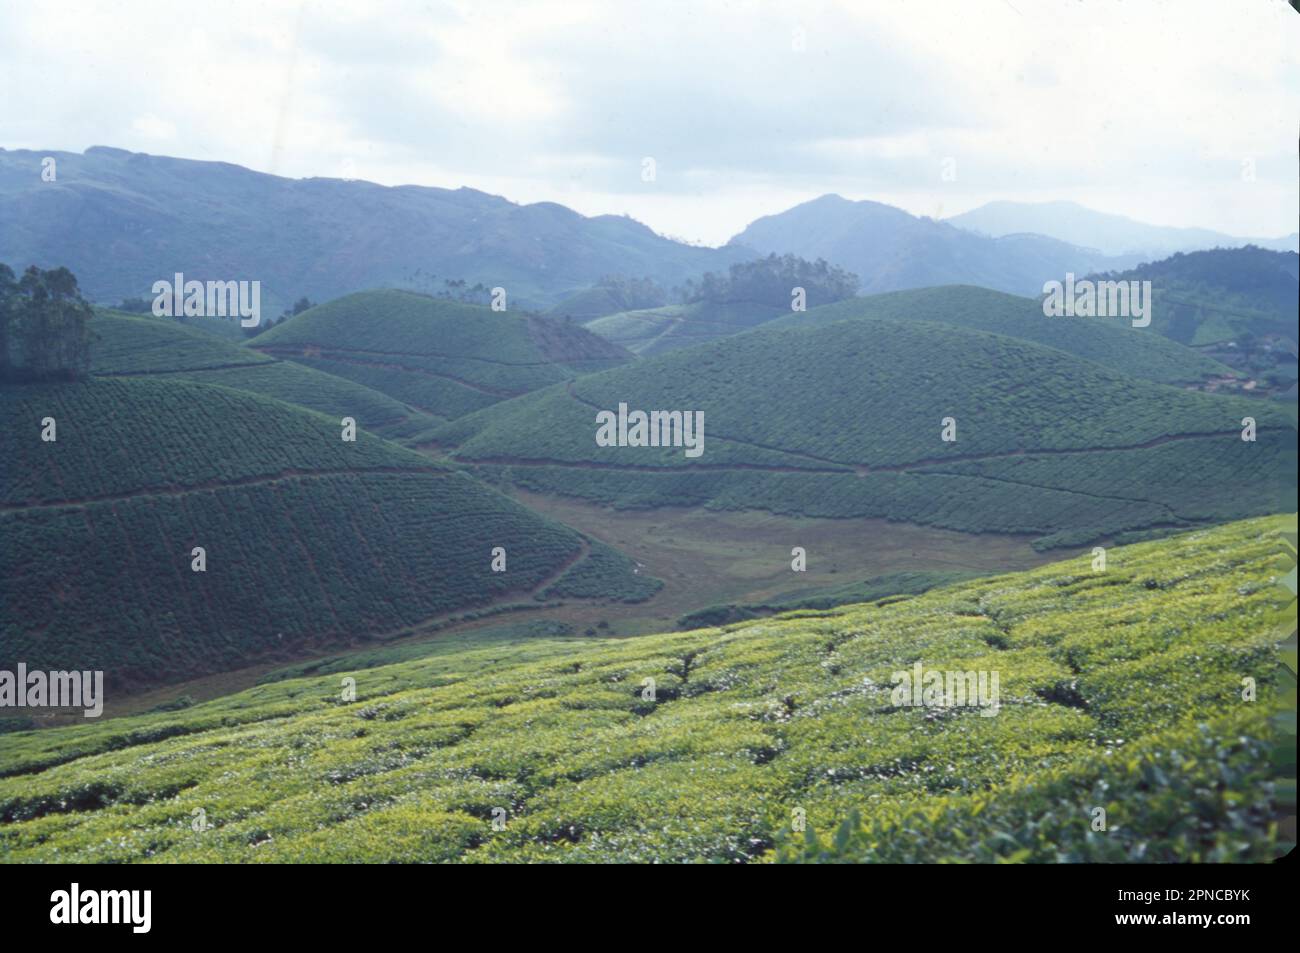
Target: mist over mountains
1110	234
892	251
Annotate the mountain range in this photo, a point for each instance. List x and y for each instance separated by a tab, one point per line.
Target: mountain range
1110	234
891	250
122	220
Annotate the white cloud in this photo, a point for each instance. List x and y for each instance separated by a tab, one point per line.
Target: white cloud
151	127
1144	109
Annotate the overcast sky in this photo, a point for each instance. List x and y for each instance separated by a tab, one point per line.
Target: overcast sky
1148	109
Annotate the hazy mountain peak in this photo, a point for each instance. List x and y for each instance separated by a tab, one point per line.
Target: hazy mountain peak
1108	232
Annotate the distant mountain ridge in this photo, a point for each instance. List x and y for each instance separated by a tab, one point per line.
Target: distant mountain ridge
892	250
122	220
1109	233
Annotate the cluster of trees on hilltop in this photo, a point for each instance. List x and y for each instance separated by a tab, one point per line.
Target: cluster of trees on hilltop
633	294
43	330
1258	277
769	281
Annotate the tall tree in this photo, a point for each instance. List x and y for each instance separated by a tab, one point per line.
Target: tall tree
43	325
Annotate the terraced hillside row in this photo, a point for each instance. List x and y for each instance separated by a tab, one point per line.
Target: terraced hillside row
307	539
1120	689
1046	443
1111	342
442	357
132	346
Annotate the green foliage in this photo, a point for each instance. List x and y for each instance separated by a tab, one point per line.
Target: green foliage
511	640
1047	443
309	539
1247	289
142	344
43	331
825	597
1238	305
1202	793
610	295
717	306
443	357
771	281
675	326
164	347
1112	342
1119	689
605	572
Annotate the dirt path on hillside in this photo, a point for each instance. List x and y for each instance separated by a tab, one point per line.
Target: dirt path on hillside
827	465
327	348
208	485
189	370
344	357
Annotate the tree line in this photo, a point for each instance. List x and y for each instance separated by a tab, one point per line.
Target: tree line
769	281
43	325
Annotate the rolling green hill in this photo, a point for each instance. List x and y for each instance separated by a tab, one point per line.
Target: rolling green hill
1208	297
442	357
610	295
845	420
1120	690
309	540
1114	343
674	326
129	345
1237	305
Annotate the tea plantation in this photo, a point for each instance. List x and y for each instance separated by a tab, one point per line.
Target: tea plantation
1120	690
656	330
308	539
127	345
1113	342
1046	443
443	357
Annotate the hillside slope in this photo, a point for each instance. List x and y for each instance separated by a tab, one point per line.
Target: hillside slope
1114	343
846	420
441	357
309	540
131	346
657	330
1120	689
1208	297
